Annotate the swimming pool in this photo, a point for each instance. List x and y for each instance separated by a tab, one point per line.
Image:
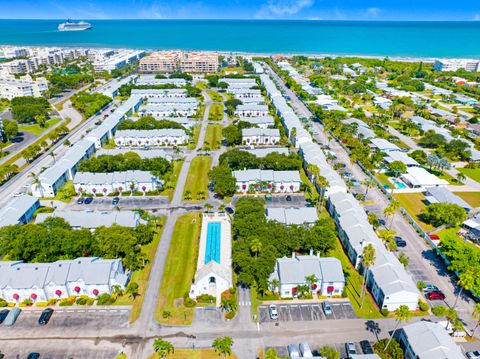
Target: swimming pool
212	249
399	184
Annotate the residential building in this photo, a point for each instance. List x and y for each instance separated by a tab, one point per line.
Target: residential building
403	157
292	272
111	90
363	130
428	340
260	136
40	282
173	101
151	80
243	93
264	151
275	181
167	111
214	264
383	145
251	110
418	177
151	138
93	219
117	60
11	52
11	88
20	210
457	64
159	93
150	153
173	61
465	100
261	121
289	216
113	182
444	195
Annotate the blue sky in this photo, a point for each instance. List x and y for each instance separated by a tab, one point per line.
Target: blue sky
244	9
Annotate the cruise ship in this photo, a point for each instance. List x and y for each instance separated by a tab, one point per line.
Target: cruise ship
74	26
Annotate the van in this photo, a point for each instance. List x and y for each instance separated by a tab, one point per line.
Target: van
305	350
293	351
12	317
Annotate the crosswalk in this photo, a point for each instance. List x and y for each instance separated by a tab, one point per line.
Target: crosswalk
244	303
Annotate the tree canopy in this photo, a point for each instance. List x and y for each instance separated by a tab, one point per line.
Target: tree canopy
29	109
438	214
149	123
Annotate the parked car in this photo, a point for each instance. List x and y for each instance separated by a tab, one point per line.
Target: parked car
19	194
45	316
327	308
273	311
293	351
305	350
229	210
431	288
355	183
115	200
33	356
88	200
351	349
347	175
12	317
366	347
435	295
3	315
80	200
400	241
473	354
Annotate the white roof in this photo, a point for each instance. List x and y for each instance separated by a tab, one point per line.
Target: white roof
292	215
419	176
94	219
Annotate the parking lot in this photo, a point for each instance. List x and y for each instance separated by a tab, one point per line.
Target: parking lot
281	200
306	312
282	352
134	202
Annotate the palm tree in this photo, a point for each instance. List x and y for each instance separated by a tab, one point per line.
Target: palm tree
162	347
391	209
208	207
368	260
466	281
275	284
368	183
223	346
452	316
323	184
476	315
402	313
52	154
37	183
388	238
255	246
311	280
461	177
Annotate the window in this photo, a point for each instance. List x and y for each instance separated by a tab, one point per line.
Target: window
212	280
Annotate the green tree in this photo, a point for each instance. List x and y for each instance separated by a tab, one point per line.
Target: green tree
132	289
271	354
329	353
466	280
397	168
368	260
37	183
368	183
255	246
223	346
450	214
10	128
391	209
388	238
476	316
402	313
162	347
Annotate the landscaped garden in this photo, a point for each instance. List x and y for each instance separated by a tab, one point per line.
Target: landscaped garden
196	185
213	137
216	112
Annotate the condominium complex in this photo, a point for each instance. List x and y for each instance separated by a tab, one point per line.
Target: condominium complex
111	60
173	61
456	64
11	87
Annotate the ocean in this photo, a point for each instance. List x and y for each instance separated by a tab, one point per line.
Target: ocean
366	38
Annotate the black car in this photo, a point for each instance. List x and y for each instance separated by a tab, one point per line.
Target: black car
115	201
33	356
88	200
229	210
3	315
400	242
80	200
289	198
366	347
45	316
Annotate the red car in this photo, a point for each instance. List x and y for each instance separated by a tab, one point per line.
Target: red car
435	295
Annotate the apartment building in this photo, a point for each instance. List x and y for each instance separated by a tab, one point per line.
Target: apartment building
174	61
11	87
457	64
117	60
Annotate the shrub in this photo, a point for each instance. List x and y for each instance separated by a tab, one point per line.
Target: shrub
52	301
41	304
189	303
423	306
206	298
394	351
384	312
3	303
230	315
26	303
66	302
105	299
11	304
166	314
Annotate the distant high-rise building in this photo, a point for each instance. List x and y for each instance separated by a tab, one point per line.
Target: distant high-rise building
456	64
173	61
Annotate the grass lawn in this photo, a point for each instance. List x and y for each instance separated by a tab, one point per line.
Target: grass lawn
232	70
213	137
171	182
447	177
473	173
141	276
215	96
312	193
413	204
197	179
179	271
448	232
353	287
64	193
472	198
192	354
36	129
216	112
194	138
202	85
383	179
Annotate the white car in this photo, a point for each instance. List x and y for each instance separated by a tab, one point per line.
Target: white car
19	194
351	349
474	354
273	311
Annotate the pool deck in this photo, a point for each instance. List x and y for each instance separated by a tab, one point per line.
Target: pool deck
225	239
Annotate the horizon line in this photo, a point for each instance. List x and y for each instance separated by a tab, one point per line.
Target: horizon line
238	19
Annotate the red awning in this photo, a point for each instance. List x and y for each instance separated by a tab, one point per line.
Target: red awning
314	286
330	289
16	296
58	292
76	289
33	296
294	290
95	291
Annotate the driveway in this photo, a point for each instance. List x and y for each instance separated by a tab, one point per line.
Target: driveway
133	202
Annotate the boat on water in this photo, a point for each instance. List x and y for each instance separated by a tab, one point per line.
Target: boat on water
74	26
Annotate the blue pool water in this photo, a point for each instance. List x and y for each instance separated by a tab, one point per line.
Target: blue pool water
394	38
212	250
399	184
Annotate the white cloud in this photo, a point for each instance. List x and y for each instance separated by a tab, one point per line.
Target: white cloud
373	11
476	17
280	8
